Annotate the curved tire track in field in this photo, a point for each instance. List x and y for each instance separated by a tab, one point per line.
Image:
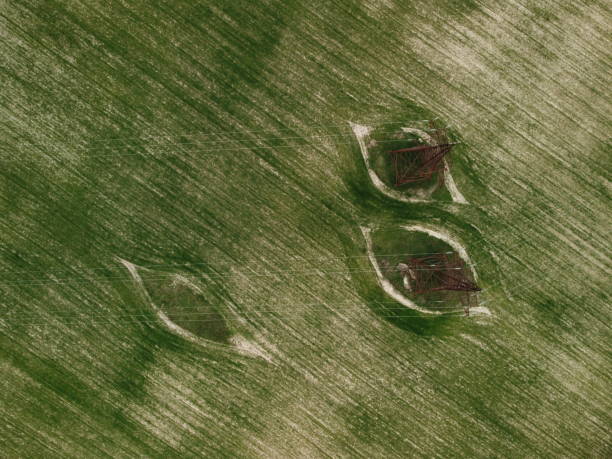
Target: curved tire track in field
384	283
396	294
361	131
240	344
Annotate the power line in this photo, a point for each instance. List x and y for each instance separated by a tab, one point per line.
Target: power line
257	313
254	314
376	228
281	318
451	309
162	276
217	141
208	263
217	133
154	153
285	318
42	281
291	305
246	313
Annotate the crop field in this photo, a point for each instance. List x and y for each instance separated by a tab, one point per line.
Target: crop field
183	271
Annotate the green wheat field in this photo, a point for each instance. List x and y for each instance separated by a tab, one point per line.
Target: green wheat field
182	267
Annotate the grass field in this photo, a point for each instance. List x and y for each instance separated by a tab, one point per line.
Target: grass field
210	141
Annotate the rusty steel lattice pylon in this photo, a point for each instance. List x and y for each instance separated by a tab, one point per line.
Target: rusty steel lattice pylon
420	163
440	272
